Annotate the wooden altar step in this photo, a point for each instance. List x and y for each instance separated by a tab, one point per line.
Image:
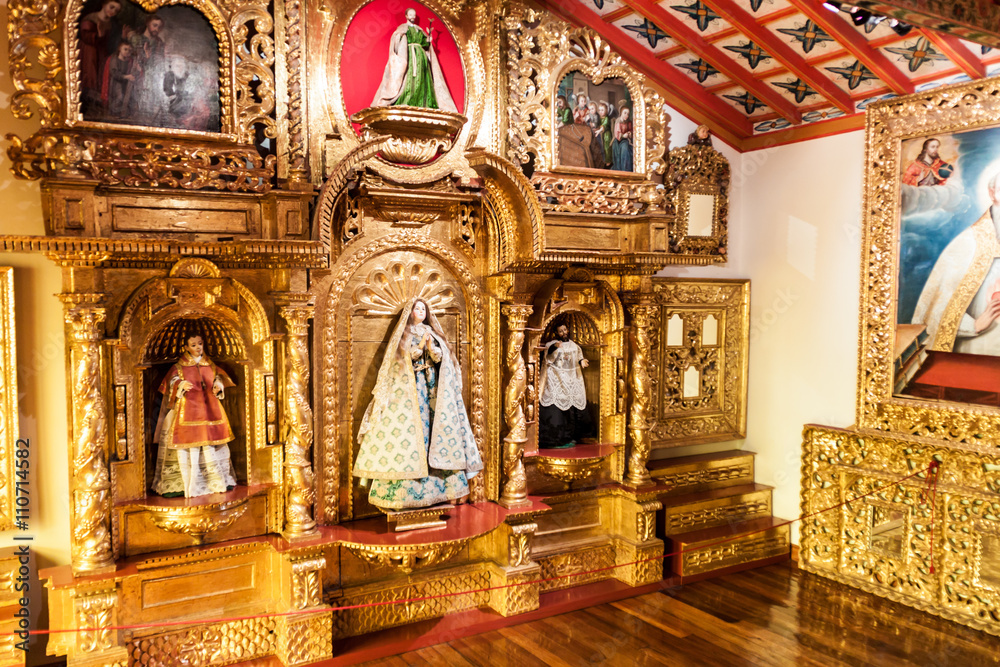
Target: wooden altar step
703	472
712	498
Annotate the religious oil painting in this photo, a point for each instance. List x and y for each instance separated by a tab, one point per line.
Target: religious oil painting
594	123
157	69
947	344
401	54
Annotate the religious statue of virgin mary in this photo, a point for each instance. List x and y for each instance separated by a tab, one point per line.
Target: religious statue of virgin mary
413	75
417	445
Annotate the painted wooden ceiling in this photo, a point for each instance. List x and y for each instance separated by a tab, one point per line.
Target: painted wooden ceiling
769	72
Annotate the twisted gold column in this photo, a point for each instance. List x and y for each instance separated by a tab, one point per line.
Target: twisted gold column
300	495
90	485
298	168
638	418
515	489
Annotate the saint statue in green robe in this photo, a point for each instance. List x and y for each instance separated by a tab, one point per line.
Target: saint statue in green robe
413	76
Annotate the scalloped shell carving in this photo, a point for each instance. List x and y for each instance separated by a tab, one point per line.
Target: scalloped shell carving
388	288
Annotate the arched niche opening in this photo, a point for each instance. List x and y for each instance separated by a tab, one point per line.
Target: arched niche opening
363	308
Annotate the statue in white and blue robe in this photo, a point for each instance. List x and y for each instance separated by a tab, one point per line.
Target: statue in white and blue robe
416	443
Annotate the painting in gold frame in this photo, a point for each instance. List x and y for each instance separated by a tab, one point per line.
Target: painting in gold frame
152	69
245	81
908	357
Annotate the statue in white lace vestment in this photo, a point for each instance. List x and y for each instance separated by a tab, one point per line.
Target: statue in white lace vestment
563	418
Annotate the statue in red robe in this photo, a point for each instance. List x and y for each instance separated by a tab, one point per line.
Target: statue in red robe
192	430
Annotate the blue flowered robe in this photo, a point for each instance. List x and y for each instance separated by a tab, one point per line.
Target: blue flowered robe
417	444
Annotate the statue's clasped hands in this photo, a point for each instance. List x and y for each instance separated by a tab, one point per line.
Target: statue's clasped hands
217	388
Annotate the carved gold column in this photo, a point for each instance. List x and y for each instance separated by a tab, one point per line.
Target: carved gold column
300	495
515	489
298	170
90	485
638	418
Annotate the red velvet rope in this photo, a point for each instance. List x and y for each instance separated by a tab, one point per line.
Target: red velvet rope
932	469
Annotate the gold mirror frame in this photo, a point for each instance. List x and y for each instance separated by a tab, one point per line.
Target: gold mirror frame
8	401
700	170
962	107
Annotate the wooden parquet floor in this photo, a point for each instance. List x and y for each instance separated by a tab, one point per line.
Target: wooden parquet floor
777	615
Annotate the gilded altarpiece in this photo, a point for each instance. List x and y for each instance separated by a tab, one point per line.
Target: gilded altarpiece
287	242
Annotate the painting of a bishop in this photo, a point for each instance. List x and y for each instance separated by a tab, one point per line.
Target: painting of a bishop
413	76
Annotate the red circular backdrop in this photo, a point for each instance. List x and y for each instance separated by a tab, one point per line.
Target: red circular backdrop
366	51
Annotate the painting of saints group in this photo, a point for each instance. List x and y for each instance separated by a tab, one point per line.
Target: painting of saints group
594	123
947	345
148	69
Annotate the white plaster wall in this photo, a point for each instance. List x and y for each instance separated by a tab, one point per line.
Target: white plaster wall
795	232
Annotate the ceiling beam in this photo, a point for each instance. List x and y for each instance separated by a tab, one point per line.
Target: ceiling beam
619	13
857	45
957	52
714	56
782	52
687	97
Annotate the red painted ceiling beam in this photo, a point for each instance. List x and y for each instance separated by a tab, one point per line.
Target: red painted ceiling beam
957	52
714	56
847	36
689	98
782	52
619	13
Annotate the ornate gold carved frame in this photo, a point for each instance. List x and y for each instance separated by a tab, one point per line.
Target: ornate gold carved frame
955	576
699	171
217	18
962	107
718	353
542	51
45	67
8	401
332	133
194	289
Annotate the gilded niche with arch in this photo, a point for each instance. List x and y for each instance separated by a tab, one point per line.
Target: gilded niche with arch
374	282
594	315
194	297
